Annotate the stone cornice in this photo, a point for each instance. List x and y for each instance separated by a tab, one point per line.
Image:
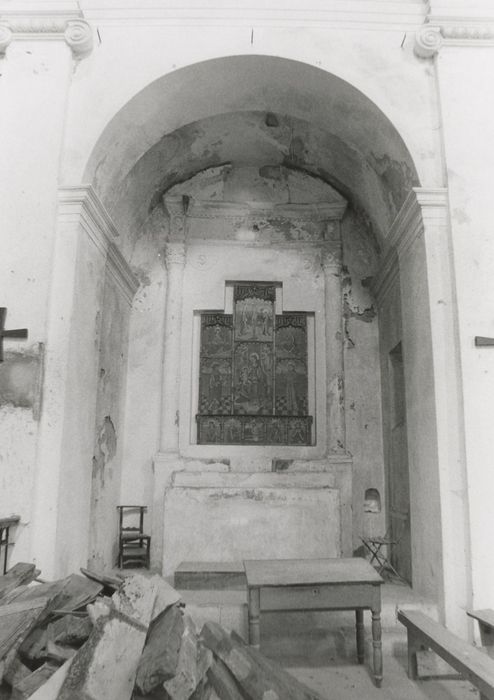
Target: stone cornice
317	212
422	210
47	26
444	30
372	14
81	206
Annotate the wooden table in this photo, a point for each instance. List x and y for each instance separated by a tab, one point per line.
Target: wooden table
317	584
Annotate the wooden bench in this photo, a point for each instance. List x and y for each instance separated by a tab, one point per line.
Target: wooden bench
485	619
425	633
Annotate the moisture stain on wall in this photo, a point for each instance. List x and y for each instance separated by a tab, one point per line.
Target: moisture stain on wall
21	375
105	450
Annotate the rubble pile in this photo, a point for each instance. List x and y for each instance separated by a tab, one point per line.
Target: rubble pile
91	637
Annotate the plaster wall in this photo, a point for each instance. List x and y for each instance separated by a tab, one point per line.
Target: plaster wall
362	376
209	264
303	290
421	422
467	100
390	334
34	81
374	62
145	362
109	431
77	412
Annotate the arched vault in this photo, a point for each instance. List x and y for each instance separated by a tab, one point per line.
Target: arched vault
255	111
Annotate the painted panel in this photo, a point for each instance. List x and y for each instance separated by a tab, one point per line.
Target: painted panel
253	366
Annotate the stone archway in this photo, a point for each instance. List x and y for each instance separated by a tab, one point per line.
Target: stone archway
176	127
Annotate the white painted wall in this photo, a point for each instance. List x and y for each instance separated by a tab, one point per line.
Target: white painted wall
34	82
47	99
467	98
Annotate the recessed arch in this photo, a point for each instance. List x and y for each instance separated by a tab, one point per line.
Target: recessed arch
215	111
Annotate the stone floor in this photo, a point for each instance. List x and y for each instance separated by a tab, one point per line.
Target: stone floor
324	658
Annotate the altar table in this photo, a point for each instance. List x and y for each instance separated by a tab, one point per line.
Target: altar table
318	584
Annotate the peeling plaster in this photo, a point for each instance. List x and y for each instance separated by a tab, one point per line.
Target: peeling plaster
374	186
106	450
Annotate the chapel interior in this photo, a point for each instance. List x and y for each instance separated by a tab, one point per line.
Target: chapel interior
244	331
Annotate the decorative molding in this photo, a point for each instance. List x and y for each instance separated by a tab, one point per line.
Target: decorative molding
52	26
122	273
422	209
428	41
5	38
372	14
387	275
446	31
316	212
174	254
332	257
79	37
80	206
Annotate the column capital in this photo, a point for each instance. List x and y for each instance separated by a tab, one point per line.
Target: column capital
332	256
78	36
5	37
71	27
442	30
175	254
424	209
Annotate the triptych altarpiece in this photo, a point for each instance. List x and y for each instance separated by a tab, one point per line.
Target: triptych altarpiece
253	386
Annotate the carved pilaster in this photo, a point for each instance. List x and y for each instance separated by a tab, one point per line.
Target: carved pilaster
175	263
174	254
331	262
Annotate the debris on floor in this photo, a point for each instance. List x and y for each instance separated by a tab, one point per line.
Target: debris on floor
95	637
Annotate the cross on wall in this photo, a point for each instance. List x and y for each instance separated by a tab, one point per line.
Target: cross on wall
481	341
20	333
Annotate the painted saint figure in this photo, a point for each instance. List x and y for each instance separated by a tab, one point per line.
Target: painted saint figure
215	384
290	390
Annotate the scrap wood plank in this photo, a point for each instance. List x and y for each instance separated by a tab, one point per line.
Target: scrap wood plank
25	687
255	678
203	691
17	576
110	582
51	689
16	671
293	687
77	592
70	629
105	666
16	620
159	659
193	663
224	684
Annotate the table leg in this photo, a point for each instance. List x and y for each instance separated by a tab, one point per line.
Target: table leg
359	619
377	645
254	604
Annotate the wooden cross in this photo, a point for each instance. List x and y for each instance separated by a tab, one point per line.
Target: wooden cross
18	333
481	341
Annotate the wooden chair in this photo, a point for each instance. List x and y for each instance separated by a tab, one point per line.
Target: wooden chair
380	551
133	544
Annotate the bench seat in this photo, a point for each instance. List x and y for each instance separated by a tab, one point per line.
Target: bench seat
485	619
423	633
